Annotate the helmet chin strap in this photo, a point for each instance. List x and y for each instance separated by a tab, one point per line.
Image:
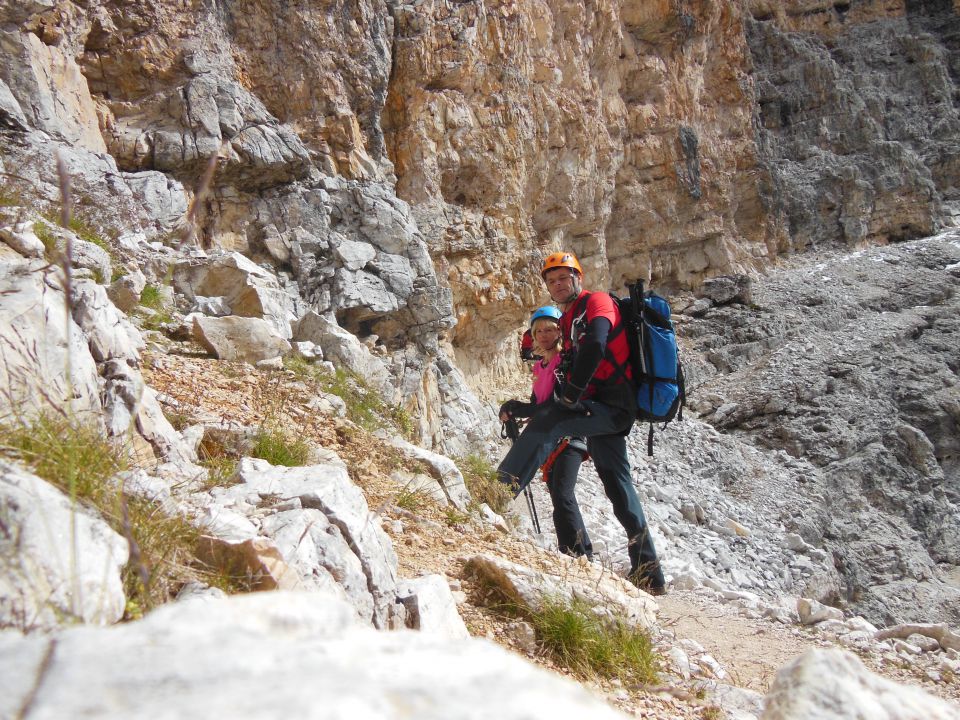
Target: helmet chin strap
575	293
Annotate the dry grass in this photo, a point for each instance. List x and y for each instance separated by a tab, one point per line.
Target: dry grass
77	458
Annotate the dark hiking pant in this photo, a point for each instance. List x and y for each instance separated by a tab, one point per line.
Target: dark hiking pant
572	537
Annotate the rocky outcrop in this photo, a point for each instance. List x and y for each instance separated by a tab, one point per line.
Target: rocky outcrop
61	564
299	645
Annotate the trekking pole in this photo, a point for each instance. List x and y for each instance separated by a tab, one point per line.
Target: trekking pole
533	508
511	429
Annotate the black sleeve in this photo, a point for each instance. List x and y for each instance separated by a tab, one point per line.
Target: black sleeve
590	353
524	410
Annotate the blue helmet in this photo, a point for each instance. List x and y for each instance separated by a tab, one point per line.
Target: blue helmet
547	311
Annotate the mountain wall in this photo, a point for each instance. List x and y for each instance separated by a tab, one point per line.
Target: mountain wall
677	140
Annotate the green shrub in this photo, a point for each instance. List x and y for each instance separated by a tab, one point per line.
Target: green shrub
413	499
481	480
152	298
278	448
592	646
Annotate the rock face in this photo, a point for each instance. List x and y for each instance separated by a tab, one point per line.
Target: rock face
410	165
856	145
302	646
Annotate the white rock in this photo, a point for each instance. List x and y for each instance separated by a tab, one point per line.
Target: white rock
60	563
431	606
23	239
835	685
812	612
205	659
239	338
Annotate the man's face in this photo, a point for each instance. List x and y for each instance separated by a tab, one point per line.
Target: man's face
563	284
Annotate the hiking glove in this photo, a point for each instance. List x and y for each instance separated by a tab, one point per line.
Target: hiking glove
569	397
516	408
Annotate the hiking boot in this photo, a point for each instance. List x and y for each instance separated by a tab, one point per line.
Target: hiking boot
643	582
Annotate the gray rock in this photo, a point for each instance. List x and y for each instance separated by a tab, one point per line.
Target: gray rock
209	115
109	334
445	472
60	562
46	358
125	290
248	289
871	337
835	685
609	595
343	348
212	306
22	238
302	646
725	289
239	338
327	488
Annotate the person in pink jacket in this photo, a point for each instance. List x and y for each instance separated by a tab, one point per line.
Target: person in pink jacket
561	468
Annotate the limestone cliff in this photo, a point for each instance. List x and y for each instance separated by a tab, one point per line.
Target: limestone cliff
676	140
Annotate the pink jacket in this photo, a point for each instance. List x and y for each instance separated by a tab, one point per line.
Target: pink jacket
543	379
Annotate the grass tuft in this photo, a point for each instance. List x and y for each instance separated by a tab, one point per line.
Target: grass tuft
414	499
481	480
76	457
152	298
365	406
454	517
73	456
46	236
278	448
592	646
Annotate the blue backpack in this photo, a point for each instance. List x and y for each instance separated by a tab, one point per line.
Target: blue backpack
654	359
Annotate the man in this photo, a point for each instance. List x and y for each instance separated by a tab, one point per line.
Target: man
596	401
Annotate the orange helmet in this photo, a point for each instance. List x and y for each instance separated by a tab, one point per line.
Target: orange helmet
561	259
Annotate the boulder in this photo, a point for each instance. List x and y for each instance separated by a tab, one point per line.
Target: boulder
345	538
238	283
60	562
239	338
276	655
431	607
609	595
835	685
